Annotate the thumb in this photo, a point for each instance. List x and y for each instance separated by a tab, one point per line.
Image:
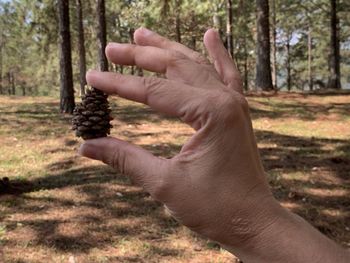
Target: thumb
144	168
223	63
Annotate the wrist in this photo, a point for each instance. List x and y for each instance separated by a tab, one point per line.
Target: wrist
286	237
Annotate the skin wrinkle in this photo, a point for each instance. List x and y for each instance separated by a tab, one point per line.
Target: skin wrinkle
118	160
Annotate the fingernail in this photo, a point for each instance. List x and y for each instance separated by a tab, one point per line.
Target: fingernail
113	45
216	32
146	32
91	71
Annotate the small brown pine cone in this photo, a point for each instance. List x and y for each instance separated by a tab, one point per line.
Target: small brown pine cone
91	118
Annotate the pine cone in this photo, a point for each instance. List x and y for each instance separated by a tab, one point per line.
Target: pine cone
91	118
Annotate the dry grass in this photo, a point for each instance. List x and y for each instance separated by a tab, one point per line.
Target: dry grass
77	210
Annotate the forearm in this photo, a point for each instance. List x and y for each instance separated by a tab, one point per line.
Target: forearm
290	239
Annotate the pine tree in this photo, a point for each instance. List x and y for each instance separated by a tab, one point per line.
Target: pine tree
229	21
67	103
334	60
263	67
81	47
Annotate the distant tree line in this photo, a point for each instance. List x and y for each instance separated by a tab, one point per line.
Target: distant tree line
276	44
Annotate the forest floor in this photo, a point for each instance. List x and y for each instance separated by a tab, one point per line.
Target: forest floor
64	208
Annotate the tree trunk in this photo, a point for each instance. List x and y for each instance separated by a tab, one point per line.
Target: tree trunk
23	90
67	103
9	83
288	63
102	35
274	45
245	65
1	86
13	83
140	72
178	20
229	19
193	43
334	81
218	25
310	70
263	67
81	48
131	41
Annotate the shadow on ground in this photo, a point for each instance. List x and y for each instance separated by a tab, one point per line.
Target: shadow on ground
111	209
302	110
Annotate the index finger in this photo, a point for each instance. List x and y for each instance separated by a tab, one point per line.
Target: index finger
145	37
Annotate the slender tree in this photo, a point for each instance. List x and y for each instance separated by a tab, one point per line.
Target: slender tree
274	43
310	58
263	67
334	60
67	103
229	21
178	20
9	83
102	35
81	47
1	87
131	41
288	61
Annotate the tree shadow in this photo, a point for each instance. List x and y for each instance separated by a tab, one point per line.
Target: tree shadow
101	204
135	114
323	202
112	209
292	153
305	111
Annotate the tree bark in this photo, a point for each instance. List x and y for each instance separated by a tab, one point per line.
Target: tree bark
9	83
310	58
218	25
334	81
229	21
1	86
245	65
67	103
288	63
13	83
81	47
274	45
263	67
131	41
102	35
178	20
193	43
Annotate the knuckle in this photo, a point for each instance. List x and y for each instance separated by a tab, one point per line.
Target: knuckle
152	86
119	160
169	182
159	189
175	56
232	106
199	58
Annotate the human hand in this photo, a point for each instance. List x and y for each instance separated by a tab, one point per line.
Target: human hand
216	185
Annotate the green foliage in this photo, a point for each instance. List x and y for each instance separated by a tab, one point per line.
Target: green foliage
29	35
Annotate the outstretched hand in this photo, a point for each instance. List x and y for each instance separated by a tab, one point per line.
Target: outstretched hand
216	185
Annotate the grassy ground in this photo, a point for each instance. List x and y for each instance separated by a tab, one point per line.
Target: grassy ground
70	209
